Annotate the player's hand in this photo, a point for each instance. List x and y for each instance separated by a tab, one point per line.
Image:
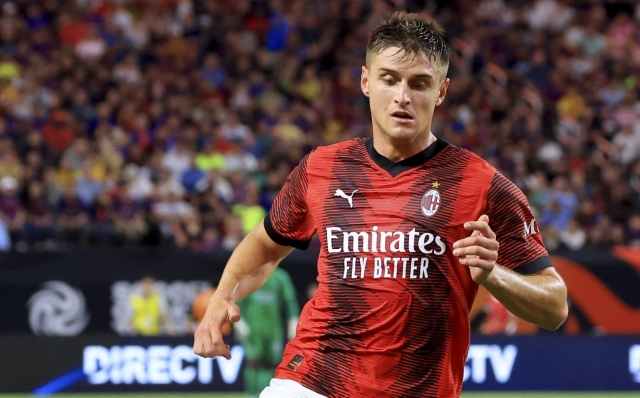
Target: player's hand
208	341
479	252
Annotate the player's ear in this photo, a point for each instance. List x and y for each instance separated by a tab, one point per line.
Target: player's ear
443	91
364	81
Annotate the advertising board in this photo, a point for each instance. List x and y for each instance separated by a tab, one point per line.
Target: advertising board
107	363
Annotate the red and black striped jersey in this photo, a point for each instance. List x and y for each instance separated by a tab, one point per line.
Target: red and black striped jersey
391	315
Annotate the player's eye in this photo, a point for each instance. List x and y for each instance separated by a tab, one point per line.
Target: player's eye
420	86
388	81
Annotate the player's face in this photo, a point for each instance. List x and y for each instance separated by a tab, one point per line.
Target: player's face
403	92
147	286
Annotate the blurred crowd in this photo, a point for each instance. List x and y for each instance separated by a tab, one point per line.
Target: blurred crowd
175	122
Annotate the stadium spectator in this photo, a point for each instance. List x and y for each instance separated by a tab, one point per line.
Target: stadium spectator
5	238
128	217
249	211
11	211
73	216
573	237
39	227
633	231
561	204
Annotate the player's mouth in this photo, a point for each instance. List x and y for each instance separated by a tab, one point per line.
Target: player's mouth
402	117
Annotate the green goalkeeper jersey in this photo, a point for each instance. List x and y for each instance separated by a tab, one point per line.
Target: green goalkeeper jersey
263	310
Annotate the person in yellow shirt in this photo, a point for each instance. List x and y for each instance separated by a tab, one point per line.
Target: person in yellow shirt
571	104
250	211
310	86
9	69
210	159
149	315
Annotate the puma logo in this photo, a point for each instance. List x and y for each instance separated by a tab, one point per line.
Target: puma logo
349	198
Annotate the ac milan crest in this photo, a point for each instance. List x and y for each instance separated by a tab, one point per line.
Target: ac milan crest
430	202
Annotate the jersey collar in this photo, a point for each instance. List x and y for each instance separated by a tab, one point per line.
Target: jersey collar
395	168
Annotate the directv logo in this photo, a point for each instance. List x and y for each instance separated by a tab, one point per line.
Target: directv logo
501	361
158	364
634	362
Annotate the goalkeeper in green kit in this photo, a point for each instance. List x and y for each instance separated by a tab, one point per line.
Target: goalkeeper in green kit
261	329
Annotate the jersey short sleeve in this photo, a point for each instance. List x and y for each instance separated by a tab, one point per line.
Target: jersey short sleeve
289	222
510	217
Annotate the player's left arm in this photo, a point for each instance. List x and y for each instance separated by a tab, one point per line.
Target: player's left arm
510	260
539	298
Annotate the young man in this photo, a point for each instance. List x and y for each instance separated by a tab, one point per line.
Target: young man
409	226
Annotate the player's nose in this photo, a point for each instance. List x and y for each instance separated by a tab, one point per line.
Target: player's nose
401	94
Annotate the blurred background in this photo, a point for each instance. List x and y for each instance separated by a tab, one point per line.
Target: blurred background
140	140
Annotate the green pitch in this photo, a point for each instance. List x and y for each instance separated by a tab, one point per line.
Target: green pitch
553	395
226	395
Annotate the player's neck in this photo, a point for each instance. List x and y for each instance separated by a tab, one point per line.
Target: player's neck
398	151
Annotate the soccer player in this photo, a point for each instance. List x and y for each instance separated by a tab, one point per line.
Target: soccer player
409	226
261	330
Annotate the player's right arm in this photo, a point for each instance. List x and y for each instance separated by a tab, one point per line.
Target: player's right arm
288	225
248	269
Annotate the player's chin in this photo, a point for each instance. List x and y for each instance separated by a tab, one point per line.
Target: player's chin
402	133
